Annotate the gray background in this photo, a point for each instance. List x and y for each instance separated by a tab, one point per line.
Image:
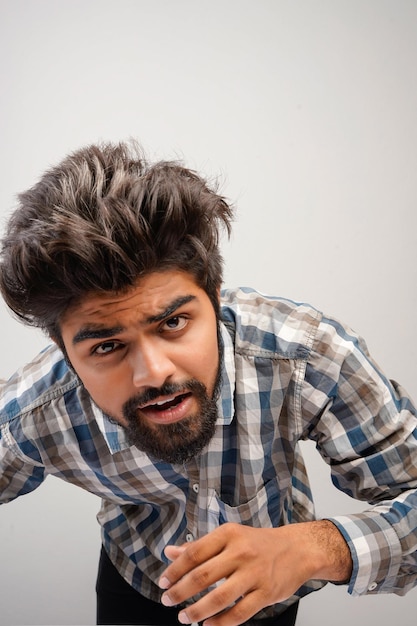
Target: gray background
306	111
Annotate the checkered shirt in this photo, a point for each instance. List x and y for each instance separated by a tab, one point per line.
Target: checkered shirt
289	374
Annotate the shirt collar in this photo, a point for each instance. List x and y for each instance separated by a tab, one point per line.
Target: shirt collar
112	432
226	399
115	435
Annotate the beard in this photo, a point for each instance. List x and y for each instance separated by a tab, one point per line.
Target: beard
178	442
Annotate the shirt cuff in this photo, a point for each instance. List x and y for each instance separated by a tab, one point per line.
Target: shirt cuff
376	552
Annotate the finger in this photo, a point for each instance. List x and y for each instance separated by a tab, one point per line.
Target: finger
193	555
173	552
197	580
239	613
222	606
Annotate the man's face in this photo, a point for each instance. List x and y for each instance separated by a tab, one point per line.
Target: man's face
149	358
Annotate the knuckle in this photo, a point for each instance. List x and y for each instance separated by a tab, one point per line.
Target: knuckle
265	594
220	597
240	613
248	552
193	555
200	577
233	529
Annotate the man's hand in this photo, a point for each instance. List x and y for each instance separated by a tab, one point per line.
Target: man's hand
254	568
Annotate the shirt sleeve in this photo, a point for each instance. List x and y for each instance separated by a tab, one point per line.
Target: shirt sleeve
20	472
365	427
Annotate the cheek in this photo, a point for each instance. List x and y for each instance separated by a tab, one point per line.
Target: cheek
204	363
109	390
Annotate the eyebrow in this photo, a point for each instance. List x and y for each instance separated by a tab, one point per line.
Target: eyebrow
96	331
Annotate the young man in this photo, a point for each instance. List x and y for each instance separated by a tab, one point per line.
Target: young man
183	408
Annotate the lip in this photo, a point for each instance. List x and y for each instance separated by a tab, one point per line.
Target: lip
170	415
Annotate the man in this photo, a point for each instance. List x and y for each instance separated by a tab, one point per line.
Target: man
182	408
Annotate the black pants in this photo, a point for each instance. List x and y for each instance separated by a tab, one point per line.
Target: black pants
119	603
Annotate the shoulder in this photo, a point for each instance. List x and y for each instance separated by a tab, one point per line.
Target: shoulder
47	377
272	325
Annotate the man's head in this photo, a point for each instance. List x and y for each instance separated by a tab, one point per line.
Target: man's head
118	261
100	220
149	358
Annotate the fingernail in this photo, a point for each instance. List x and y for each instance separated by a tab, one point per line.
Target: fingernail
166	600
183	618
164	582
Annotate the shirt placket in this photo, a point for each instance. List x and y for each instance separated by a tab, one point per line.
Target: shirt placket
192	506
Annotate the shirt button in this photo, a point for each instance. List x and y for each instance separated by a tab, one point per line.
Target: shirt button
372	586
189	537
196	487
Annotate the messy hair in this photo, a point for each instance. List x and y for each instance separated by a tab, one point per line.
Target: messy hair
99	221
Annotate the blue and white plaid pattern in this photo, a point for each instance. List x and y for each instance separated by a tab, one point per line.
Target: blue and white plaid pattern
289	373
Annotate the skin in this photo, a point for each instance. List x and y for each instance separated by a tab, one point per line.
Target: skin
164	331
261	566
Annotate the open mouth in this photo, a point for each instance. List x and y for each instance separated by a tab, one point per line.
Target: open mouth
168	409
166	403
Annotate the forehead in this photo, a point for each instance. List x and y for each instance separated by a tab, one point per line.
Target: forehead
151	295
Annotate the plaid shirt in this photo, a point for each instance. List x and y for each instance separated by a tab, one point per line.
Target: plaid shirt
289	373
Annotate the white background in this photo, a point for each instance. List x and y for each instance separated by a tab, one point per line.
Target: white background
306	110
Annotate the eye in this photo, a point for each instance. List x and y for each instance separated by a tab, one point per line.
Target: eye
174	323
107	347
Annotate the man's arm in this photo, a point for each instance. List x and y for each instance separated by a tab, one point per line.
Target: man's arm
255	568
365	426
18	474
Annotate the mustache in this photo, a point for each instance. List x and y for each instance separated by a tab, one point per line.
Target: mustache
167	389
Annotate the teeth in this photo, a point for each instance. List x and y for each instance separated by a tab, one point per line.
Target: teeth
164	401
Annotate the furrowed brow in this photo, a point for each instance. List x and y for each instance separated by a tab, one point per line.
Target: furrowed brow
171	308
94	332
97	332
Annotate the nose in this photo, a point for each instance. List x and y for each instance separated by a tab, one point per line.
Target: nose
151	365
